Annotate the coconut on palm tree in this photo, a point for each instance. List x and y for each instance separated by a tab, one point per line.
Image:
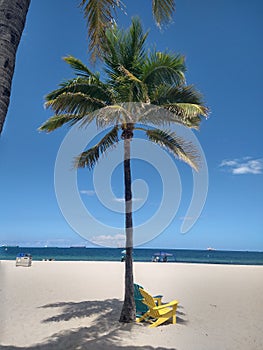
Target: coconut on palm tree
136	84
99	13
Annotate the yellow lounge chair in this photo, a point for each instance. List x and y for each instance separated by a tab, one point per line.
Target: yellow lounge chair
160	313
141	307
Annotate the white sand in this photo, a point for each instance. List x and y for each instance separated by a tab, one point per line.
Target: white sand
76	305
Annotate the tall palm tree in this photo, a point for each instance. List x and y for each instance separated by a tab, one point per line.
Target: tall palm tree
99	13
12	21
139	78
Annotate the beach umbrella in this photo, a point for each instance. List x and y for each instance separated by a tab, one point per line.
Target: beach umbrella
163	254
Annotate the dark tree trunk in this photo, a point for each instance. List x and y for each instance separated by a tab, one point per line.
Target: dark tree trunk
128	309
12	21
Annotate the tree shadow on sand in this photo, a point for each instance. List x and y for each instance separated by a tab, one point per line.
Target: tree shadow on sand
104	332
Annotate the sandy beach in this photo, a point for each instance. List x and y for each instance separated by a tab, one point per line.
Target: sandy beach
76	305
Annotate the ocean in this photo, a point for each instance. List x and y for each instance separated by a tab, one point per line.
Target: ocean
143	255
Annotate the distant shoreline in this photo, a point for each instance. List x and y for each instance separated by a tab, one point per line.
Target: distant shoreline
121	248
220	257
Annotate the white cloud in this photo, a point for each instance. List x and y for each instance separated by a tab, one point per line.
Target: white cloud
123	199
117	240
228	163
245	165
87	192
119	199
186	218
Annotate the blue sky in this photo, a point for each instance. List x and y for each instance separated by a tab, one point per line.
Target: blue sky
221	41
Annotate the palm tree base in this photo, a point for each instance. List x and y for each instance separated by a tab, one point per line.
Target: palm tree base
127	315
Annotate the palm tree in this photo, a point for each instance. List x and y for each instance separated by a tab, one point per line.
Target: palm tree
148	79
99	14
12	21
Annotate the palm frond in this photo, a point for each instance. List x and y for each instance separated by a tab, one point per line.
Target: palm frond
128	74
109	115
133	46
57	121
124	48
190	114
163	68
111	54
154	115
183	101
133	113
90	157
185	94
130	88
176	145
85	86
99	15
80	68
65	86
167	93
74	103
163	10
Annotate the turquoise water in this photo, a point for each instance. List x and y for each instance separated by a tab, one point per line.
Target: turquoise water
114	254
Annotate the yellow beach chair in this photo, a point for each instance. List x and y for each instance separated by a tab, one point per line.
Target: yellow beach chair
141	307
160	313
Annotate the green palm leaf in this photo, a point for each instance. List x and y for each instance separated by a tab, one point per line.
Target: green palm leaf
167	93
80	68
183	101
85	86
130	88
163	10
114	114
99	15
176	145
59	120
75	103
163	68
90	157
189	113
124	50
132	47
154	115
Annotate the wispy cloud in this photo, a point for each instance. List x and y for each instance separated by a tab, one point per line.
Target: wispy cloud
122	200
87	192
117	240
189	218
116	199
245	165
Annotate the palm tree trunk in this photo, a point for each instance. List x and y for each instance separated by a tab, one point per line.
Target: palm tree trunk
128	309
12	21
